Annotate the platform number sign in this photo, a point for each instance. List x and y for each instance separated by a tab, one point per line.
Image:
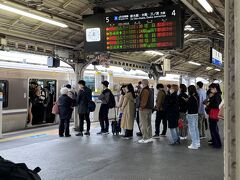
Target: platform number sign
136	30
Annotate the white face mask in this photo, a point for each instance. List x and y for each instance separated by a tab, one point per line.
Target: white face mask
171	91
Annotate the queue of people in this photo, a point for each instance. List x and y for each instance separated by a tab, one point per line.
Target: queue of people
182	110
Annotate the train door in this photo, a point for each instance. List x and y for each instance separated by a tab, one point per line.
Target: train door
42	95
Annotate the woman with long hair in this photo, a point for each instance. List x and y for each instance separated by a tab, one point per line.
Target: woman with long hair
192	117
172	113
213	110
128	111
120	103
182	98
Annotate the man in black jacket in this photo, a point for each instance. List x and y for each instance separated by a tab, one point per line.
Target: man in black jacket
104	109
83	99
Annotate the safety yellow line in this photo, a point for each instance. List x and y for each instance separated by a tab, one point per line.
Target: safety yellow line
49	132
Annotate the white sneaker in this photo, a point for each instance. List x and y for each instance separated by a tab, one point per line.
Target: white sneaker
149	140
192	147
29	125
142	141
198	145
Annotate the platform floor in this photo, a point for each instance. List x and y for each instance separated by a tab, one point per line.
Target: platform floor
110	157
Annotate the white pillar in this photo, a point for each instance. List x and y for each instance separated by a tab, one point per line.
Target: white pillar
1	102
110	80
98	85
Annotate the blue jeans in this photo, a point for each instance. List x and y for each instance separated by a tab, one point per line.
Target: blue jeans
174	134
193	129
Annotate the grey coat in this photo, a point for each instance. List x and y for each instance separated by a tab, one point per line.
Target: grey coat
83	98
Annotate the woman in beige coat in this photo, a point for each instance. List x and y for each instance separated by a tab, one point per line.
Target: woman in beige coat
128	112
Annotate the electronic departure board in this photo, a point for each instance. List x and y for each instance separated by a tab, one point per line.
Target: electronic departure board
145	29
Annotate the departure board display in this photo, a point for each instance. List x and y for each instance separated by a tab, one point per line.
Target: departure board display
145	29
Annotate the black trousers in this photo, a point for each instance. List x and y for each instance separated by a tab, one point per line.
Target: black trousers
138	121
213	126
82	117
160	117
128	133
103	117
64	127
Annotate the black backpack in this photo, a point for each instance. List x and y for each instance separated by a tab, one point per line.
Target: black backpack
91	106
111	102
17	171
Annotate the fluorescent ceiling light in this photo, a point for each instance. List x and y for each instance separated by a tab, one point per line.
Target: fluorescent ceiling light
189	28
154	53
206	5
209	68
194	63
30	15
186	35
217	70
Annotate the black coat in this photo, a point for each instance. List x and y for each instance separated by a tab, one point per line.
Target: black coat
172	110
65	106
182	102
215	101
83	98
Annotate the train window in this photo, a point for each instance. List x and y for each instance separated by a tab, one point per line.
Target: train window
4	89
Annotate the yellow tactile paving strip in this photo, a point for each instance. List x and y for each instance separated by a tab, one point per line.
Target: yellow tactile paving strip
47	132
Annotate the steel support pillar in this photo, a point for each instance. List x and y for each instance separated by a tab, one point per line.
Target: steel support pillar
79	71
232	92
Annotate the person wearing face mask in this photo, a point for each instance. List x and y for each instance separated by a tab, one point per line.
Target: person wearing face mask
120	103
104	109
168	89
146	105
212	109
83	98
128	112
172	113
160	116
182	98
137	93
192	117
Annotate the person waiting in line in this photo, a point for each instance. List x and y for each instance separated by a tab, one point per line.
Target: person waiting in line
104	109
182	98
172	113
145	112
160	116
212	110
83	99
201	110
72	93
65	105
128	111
192	117
137	93
120	102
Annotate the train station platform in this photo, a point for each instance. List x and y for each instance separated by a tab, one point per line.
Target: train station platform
109	157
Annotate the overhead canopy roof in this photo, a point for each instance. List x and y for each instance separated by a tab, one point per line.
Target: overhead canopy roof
208	30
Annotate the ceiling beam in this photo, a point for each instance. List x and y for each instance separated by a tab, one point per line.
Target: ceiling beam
53	6
41	13
37	27
32	37
200	15
67	3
